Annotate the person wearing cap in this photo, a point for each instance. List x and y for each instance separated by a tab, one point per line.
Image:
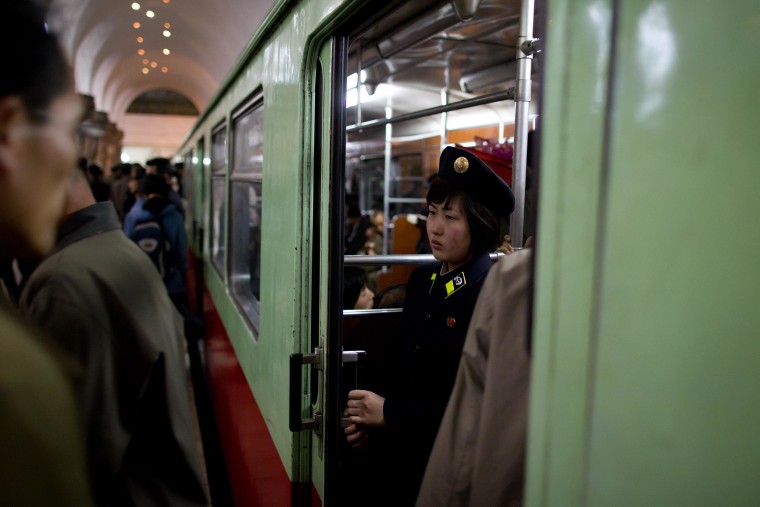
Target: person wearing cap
465	204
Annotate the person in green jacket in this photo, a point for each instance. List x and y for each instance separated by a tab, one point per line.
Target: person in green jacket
41	436
101	300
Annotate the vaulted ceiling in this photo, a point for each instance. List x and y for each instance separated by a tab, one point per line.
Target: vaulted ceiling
118	47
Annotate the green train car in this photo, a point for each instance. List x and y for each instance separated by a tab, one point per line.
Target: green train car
646	309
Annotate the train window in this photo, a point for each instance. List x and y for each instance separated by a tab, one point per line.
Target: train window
218	196
245	223
420	78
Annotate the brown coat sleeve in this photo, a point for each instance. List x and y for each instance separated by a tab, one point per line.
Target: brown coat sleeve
479	453
42	455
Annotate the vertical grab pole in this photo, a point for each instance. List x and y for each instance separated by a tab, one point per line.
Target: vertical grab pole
387	164
522	109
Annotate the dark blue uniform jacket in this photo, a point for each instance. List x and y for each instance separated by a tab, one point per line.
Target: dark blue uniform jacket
436	315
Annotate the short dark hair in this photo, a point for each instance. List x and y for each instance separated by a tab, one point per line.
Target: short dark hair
154	184
162	165
122	169
483	222
354	280
94	170
38	72
391	297
353	211
138	170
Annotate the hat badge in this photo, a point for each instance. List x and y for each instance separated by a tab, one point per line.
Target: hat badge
461	165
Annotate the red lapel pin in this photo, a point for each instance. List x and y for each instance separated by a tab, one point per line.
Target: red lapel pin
451	321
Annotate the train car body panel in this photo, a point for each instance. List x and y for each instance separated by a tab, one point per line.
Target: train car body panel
645	382
574	93
277	71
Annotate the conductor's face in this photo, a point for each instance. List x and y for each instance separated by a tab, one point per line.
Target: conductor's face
449	233
36	160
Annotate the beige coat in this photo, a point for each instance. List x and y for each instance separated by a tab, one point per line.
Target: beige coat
479	454
42	459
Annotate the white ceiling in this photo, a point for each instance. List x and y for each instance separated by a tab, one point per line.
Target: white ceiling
207	36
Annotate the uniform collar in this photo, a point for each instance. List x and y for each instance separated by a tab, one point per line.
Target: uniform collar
94	219
457	279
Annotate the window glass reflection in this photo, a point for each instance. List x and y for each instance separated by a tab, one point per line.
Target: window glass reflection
246	183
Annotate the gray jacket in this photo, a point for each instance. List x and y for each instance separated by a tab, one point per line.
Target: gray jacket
102	301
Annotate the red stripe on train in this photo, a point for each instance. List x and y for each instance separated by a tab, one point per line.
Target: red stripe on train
256	474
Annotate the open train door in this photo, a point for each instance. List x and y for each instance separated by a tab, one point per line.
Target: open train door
316	368
407	129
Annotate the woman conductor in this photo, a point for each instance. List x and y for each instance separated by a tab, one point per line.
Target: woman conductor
464	206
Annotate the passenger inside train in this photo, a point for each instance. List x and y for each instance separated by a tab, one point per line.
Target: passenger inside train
391	297
358	228
465	204
356	294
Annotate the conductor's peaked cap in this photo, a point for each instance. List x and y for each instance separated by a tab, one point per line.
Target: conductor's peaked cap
466	171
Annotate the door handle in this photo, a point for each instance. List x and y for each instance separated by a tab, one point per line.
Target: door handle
295	422
357	357
352	356
297	361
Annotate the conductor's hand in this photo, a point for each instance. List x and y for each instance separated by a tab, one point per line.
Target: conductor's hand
366	407
506	245
356	436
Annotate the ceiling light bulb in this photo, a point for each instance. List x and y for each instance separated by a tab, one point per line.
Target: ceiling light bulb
140	52
136	24
166	52
167	33
153	65
167	25
140	40
145	61
136	6
145	70
166	1
164	69
150	14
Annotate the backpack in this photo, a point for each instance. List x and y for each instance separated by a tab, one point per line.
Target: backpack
150	237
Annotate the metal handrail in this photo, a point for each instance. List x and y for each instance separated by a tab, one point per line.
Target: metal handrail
526	46
508	94
399	259
373	311
396	260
